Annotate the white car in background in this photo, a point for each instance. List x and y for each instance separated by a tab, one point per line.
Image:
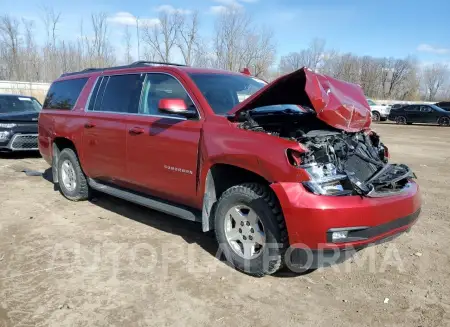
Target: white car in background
379	112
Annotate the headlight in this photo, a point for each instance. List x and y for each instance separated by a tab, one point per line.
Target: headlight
10	125
324	179
4	135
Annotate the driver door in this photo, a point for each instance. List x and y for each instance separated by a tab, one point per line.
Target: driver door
162	149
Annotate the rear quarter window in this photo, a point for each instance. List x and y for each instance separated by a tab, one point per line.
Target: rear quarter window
64	94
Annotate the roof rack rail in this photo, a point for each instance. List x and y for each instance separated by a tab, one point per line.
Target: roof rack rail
144	62
134	64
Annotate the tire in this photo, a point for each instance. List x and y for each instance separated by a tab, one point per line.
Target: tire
383	118
444	121
400	120
81	190
376	116
262	201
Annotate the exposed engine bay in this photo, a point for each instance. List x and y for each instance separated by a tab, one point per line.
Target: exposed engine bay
338	162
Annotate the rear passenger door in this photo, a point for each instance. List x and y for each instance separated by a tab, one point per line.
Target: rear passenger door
162	149
413	114
105	126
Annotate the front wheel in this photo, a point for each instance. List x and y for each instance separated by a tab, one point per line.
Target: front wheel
444	121
251	230
72	181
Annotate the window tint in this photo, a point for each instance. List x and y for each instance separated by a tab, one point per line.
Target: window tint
121	93
224	91
371	103
412	108
425	109
161	86
64	94
12	104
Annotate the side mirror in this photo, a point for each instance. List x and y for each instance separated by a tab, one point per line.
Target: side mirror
176	107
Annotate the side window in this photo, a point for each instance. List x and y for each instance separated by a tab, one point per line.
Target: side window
64	94
161	86
425	109
119	93
412	108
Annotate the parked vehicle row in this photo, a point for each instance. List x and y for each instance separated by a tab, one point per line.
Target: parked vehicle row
18	123
420	113
281	169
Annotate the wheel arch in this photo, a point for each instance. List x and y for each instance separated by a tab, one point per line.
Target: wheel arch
219	178
59	144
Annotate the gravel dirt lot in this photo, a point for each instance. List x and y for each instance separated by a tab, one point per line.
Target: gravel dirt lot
111	263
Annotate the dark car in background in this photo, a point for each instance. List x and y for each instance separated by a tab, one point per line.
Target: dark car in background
420	113
18	122
444	105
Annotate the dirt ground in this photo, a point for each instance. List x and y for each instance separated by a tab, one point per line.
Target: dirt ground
111	263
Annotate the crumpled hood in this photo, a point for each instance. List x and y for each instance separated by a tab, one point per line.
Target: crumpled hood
340	104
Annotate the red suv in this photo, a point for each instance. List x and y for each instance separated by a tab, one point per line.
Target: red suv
284	173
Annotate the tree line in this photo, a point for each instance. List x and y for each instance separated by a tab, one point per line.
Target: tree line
236	42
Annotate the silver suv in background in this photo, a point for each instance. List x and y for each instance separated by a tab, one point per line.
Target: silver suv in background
379	112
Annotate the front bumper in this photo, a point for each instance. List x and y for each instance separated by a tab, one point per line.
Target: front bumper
311	218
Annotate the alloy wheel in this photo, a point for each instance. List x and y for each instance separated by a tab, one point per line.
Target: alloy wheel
244	231
68	176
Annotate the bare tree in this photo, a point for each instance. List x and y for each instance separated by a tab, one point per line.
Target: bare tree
100	49
188	37
434	77
10	40
30	57
230	32
238	44
127	40
311	57
161	38
51	19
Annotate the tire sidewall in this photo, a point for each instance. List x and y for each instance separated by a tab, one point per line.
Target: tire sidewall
401	120
67	155
377	115
260	265
442	120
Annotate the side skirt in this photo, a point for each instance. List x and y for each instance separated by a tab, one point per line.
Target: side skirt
148	201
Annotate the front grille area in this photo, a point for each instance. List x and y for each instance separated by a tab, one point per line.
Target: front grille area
24	142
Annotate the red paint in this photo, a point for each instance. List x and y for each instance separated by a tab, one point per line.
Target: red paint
141	151
309	216
338	103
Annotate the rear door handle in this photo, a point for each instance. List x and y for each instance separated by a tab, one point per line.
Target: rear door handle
136	130
89	125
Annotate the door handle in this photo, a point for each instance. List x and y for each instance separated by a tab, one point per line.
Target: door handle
135	130
89	125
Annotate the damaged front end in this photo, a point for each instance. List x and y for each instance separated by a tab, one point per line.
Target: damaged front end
338	162
331	119
341	163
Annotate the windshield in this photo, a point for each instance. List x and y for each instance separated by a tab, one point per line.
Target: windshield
16	104
437	108
224	91
371	103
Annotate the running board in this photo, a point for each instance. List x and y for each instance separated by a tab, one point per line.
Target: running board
147	201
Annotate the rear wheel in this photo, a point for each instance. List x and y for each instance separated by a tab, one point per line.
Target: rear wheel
400	120
250	229
444	121
72	181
